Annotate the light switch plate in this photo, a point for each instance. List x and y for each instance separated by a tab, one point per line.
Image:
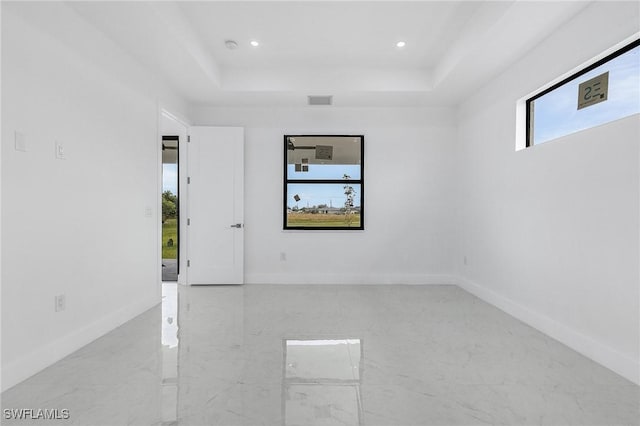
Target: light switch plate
21	142
60	155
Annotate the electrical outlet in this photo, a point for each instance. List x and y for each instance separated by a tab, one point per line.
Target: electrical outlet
20	142
61	303
283	256
465	261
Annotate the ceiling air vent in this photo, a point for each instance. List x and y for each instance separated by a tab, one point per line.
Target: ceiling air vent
320	100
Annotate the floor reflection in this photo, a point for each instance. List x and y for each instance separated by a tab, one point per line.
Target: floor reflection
170	341
321	382
295	356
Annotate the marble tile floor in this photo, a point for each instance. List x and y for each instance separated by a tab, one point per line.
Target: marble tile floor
169	270
326	355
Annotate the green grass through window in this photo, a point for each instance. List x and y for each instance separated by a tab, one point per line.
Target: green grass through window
170	231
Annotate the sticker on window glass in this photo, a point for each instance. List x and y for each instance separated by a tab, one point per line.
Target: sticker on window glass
593	91
324	152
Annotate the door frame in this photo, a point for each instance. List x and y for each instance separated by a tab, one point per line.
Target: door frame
177	139
170	124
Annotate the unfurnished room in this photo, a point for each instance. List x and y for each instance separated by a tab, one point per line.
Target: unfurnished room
318	213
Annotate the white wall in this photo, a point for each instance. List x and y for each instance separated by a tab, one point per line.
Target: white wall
407	175
551	232
76	226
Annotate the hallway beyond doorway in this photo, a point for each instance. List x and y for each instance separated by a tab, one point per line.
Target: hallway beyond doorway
170	208
169	270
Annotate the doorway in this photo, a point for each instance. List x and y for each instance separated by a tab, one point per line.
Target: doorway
170	208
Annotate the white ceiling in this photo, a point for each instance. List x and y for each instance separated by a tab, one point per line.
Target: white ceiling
345	49
330	34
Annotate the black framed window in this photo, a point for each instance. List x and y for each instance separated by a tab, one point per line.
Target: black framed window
604	91
323	182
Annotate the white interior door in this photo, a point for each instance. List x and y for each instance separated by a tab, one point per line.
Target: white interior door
216	201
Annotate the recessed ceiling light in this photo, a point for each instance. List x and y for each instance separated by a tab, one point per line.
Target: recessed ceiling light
255	43
401	44
231	44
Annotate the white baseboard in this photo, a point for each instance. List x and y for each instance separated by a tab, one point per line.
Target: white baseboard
300	278
32	363
619	363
